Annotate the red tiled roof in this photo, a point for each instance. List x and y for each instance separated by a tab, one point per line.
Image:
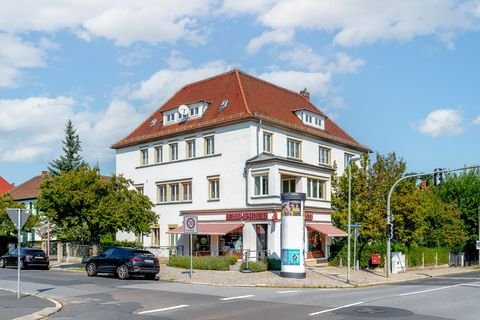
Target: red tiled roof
4	186
30	189
250	98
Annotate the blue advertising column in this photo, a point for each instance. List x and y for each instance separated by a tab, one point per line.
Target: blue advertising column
293	236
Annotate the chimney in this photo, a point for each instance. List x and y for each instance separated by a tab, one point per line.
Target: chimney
304	93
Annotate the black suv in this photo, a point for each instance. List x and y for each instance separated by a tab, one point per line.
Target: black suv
29	257
124	262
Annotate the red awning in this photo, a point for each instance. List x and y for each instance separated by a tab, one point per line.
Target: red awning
211	228
327	229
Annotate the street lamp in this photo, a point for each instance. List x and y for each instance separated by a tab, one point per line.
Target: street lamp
353	159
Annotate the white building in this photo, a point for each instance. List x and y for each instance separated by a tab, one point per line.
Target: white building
224	149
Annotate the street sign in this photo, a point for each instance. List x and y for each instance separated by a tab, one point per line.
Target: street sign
355	225
13	215
478	245
190	224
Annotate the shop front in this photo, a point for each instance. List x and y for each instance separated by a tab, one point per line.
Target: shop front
319	238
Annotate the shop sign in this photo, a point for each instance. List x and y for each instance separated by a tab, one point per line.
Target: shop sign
308	216
291	257
247	216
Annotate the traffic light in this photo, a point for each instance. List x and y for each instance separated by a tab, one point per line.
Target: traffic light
437	176
389	230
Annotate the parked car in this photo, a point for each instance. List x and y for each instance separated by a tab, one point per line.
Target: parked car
124	262
29	257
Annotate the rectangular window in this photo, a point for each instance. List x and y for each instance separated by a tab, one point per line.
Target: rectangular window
347	158
144	157
187	191
261	185
170	117
194	111
323	155
173	151
267	142
174	192
289	185
293	149
214	189
155	236
209	145
139	189
315	188
158	154
190	149
162	193
173	239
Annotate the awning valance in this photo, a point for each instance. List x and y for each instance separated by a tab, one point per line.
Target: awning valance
327	229
211	228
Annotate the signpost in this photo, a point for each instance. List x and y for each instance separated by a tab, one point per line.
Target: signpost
18	217
356	234
190	226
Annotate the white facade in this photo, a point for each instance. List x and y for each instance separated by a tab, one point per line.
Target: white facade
252	171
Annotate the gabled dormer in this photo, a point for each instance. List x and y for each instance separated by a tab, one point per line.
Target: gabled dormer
185	112
311	118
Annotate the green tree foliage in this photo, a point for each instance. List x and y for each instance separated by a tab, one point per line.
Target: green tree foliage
464	190
71	159
443	225
84	205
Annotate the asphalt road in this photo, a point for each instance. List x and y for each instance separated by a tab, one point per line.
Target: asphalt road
104	297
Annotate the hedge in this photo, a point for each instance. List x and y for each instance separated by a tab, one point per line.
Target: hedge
254	266
274	264
202	263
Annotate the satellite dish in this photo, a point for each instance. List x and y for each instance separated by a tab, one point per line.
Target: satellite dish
184	110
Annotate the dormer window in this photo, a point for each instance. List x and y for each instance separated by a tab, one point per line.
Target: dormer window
311	119
184	112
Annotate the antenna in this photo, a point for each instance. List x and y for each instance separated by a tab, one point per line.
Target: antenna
184	111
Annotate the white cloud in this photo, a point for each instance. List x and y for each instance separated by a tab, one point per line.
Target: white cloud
134	57
276	36
164	83
16	55
304	57
235	7
359	22
477	121
443	122
177	61
345	64
122	21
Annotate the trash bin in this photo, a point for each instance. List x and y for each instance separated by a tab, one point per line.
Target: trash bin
376	259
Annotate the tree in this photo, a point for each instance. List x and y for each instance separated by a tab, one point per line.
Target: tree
71	160
85	205
464	190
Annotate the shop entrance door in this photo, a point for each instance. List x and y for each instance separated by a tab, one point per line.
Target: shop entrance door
262	237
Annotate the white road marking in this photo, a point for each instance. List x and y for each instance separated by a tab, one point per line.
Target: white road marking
290	291
429	290
470	285
164	309
333	309
239	297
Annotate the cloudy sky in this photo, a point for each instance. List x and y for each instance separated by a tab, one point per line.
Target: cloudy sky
399	76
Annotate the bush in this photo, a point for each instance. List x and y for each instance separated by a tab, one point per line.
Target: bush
274	264
254	266
201	263
105	244
231	259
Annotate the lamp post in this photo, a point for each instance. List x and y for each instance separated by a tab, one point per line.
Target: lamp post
353	159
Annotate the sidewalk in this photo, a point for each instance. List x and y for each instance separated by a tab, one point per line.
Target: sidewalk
28	307
316	277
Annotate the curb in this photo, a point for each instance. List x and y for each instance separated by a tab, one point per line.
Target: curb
45	312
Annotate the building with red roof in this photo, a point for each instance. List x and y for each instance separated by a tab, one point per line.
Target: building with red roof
224	149
4	186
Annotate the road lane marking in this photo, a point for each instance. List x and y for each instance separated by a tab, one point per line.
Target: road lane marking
290	291
239	297
164	309
430	290
470	285
337	308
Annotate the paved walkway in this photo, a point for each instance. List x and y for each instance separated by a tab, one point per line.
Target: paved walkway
316	277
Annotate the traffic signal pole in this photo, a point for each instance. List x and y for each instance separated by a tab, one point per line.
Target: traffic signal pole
389	217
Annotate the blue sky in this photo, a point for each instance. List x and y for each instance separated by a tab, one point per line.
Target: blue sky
398	76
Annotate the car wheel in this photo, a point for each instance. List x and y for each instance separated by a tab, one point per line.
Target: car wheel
91	269
122	272
2	263
150	276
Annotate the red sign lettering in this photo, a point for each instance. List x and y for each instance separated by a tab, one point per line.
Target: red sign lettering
247	216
